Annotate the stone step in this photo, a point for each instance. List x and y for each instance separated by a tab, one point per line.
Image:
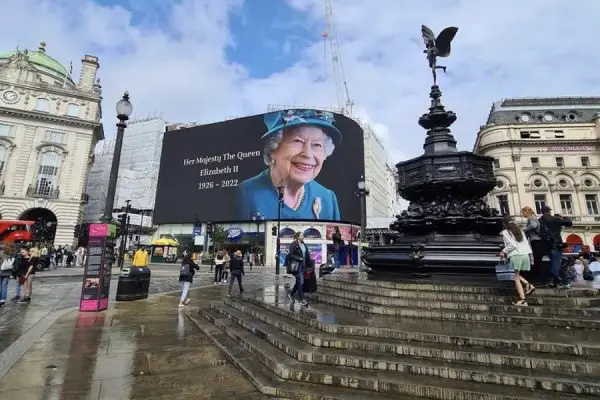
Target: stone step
304	352
538	299
286	367
459	351
519	318
462	306
460	285
343	321
270	384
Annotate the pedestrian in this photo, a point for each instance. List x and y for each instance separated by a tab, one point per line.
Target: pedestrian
550	232
538	246
297	259
27	272
338	243
518	251
236	265
186	277
6	266
226	260
219	261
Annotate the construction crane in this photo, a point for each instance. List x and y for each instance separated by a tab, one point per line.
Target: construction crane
339	77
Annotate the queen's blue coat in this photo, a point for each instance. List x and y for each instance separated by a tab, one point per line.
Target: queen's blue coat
258	194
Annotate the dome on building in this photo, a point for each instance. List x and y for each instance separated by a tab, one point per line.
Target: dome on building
43	62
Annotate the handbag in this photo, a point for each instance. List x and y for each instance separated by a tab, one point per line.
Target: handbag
505	271
184	271
292	267
7	265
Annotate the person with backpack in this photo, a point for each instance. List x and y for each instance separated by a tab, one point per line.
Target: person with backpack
236	266
538	246
550	233
186	277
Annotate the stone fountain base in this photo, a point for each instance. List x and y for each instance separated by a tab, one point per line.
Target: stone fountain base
373	339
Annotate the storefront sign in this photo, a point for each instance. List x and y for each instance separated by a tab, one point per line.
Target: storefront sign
234	233
562	149
96	277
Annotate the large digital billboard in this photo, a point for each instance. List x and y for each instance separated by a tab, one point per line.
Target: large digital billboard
234	170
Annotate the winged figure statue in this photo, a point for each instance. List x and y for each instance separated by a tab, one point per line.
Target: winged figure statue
437	47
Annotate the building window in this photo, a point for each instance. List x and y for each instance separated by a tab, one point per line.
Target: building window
538	183
560	162
566	205
3	158
503	204
540	201
42	105
47	173
496	163
559	134
55	137
6	130
591	201
585	161
73	110
530	134
535	162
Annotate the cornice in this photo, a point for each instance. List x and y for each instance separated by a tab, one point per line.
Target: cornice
45	117
57	90
539	143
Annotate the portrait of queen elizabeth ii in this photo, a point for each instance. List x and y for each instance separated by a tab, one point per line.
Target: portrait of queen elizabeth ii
296	145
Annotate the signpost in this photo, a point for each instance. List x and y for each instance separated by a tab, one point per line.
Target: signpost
98	267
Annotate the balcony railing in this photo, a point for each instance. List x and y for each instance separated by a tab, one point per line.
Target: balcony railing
43	191
577	219
2	187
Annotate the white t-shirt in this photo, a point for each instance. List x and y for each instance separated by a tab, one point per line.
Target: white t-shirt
512	247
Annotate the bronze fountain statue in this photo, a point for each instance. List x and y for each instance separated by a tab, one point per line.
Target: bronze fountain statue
448	224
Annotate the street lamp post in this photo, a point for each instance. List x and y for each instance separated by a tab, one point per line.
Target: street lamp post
124	110
278	242
362	193
257	217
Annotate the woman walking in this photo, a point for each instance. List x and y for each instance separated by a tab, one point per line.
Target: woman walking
518	251
186	277
297	260
6	265
226	261
538	246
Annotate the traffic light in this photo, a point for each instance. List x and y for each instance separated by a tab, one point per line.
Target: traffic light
122	218
274	231
209	229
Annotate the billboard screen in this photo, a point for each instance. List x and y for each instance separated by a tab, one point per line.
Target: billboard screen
231	170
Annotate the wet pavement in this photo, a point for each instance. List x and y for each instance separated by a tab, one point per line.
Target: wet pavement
145	349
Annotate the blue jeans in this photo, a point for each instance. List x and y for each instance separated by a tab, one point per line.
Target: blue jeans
3	288
555	264
336	258
299	283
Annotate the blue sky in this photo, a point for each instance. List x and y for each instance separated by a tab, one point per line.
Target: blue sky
205	60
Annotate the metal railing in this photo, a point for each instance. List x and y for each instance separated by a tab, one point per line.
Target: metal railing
43	191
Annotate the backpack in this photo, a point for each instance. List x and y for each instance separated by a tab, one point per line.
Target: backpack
544	232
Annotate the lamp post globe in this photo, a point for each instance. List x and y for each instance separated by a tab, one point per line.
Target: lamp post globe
124	107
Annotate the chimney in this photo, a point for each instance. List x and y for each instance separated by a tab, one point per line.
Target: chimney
89	69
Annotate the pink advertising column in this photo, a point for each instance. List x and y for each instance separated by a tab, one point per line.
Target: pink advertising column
98	267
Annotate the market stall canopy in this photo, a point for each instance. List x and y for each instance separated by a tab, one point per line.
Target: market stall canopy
165	242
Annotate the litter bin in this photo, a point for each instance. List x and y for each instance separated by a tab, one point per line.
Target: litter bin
133	284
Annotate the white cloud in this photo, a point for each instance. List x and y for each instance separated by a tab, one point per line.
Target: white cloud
177	65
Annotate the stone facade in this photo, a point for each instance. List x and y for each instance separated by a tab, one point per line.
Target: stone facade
49	126
547	152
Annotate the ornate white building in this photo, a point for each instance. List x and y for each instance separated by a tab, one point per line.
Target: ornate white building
547	152
49	126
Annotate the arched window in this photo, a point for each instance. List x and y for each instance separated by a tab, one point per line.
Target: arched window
3	159
42	105
47	174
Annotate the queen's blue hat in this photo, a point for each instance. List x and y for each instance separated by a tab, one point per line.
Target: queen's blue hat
278	120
